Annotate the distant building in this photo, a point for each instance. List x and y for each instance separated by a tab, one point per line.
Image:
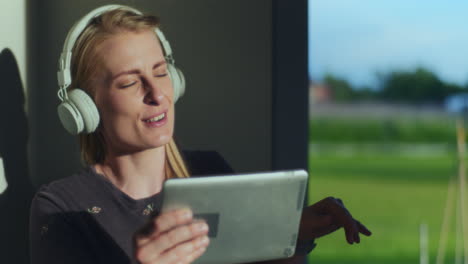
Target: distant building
320	93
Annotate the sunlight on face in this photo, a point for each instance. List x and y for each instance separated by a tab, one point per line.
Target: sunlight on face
134	92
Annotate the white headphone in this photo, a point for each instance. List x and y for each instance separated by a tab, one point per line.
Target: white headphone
77	112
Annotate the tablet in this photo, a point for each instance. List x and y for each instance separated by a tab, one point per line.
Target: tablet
252	217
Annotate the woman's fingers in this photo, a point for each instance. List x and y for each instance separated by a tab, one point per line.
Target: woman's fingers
156	246
172	219
351	232
345	219
340	217
363	229
339	201
360	229
350	225
186	252
357	239
190	258
163	223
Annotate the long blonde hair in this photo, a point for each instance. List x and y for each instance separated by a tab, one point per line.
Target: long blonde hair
84	65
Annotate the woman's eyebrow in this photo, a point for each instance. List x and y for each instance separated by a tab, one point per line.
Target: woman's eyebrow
156	65
135	71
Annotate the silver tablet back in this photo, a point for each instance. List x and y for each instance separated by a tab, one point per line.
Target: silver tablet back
252	217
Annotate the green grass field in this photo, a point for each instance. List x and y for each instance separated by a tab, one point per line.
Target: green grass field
392	195
401	129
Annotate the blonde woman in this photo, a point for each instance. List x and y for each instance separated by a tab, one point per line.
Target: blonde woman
101	214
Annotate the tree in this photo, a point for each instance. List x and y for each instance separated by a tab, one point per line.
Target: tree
342	90
418	86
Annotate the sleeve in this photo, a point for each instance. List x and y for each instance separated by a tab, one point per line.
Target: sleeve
53	239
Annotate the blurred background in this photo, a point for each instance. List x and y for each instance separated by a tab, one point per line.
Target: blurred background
388	80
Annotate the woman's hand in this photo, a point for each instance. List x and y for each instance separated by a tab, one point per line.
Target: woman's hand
172	237
325	217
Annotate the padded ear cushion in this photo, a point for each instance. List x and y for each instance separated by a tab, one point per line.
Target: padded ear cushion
70	117
178	81
86	107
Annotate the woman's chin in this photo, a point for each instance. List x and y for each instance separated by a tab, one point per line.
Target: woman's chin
161	140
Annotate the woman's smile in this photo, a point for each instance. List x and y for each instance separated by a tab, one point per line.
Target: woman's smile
156	120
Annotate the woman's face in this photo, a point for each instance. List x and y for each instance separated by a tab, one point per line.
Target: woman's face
133	92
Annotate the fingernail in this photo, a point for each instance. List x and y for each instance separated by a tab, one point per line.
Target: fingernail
202	226
186	214
203	241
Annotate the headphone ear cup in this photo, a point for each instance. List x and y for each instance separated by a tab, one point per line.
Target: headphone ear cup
79	113
178	81
70	117
87	108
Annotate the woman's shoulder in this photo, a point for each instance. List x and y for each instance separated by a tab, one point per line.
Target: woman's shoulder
65	194
65	225
203	162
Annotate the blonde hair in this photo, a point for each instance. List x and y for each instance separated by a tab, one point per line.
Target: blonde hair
83	68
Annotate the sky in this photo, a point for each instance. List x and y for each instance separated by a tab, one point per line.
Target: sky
355	39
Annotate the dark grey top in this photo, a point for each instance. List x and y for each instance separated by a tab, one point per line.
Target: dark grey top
84	218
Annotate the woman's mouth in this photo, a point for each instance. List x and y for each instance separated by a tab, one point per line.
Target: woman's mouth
156	121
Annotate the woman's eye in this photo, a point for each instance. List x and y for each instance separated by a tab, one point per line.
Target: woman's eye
127	85
161	75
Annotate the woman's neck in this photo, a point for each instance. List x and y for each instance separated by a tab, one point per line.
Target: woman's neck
139	175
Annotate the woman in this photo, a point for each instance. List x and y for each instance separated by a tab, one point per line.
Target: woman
100	215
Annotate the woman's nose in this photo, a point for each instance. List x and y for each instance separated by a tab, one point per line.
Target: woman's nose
154	94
